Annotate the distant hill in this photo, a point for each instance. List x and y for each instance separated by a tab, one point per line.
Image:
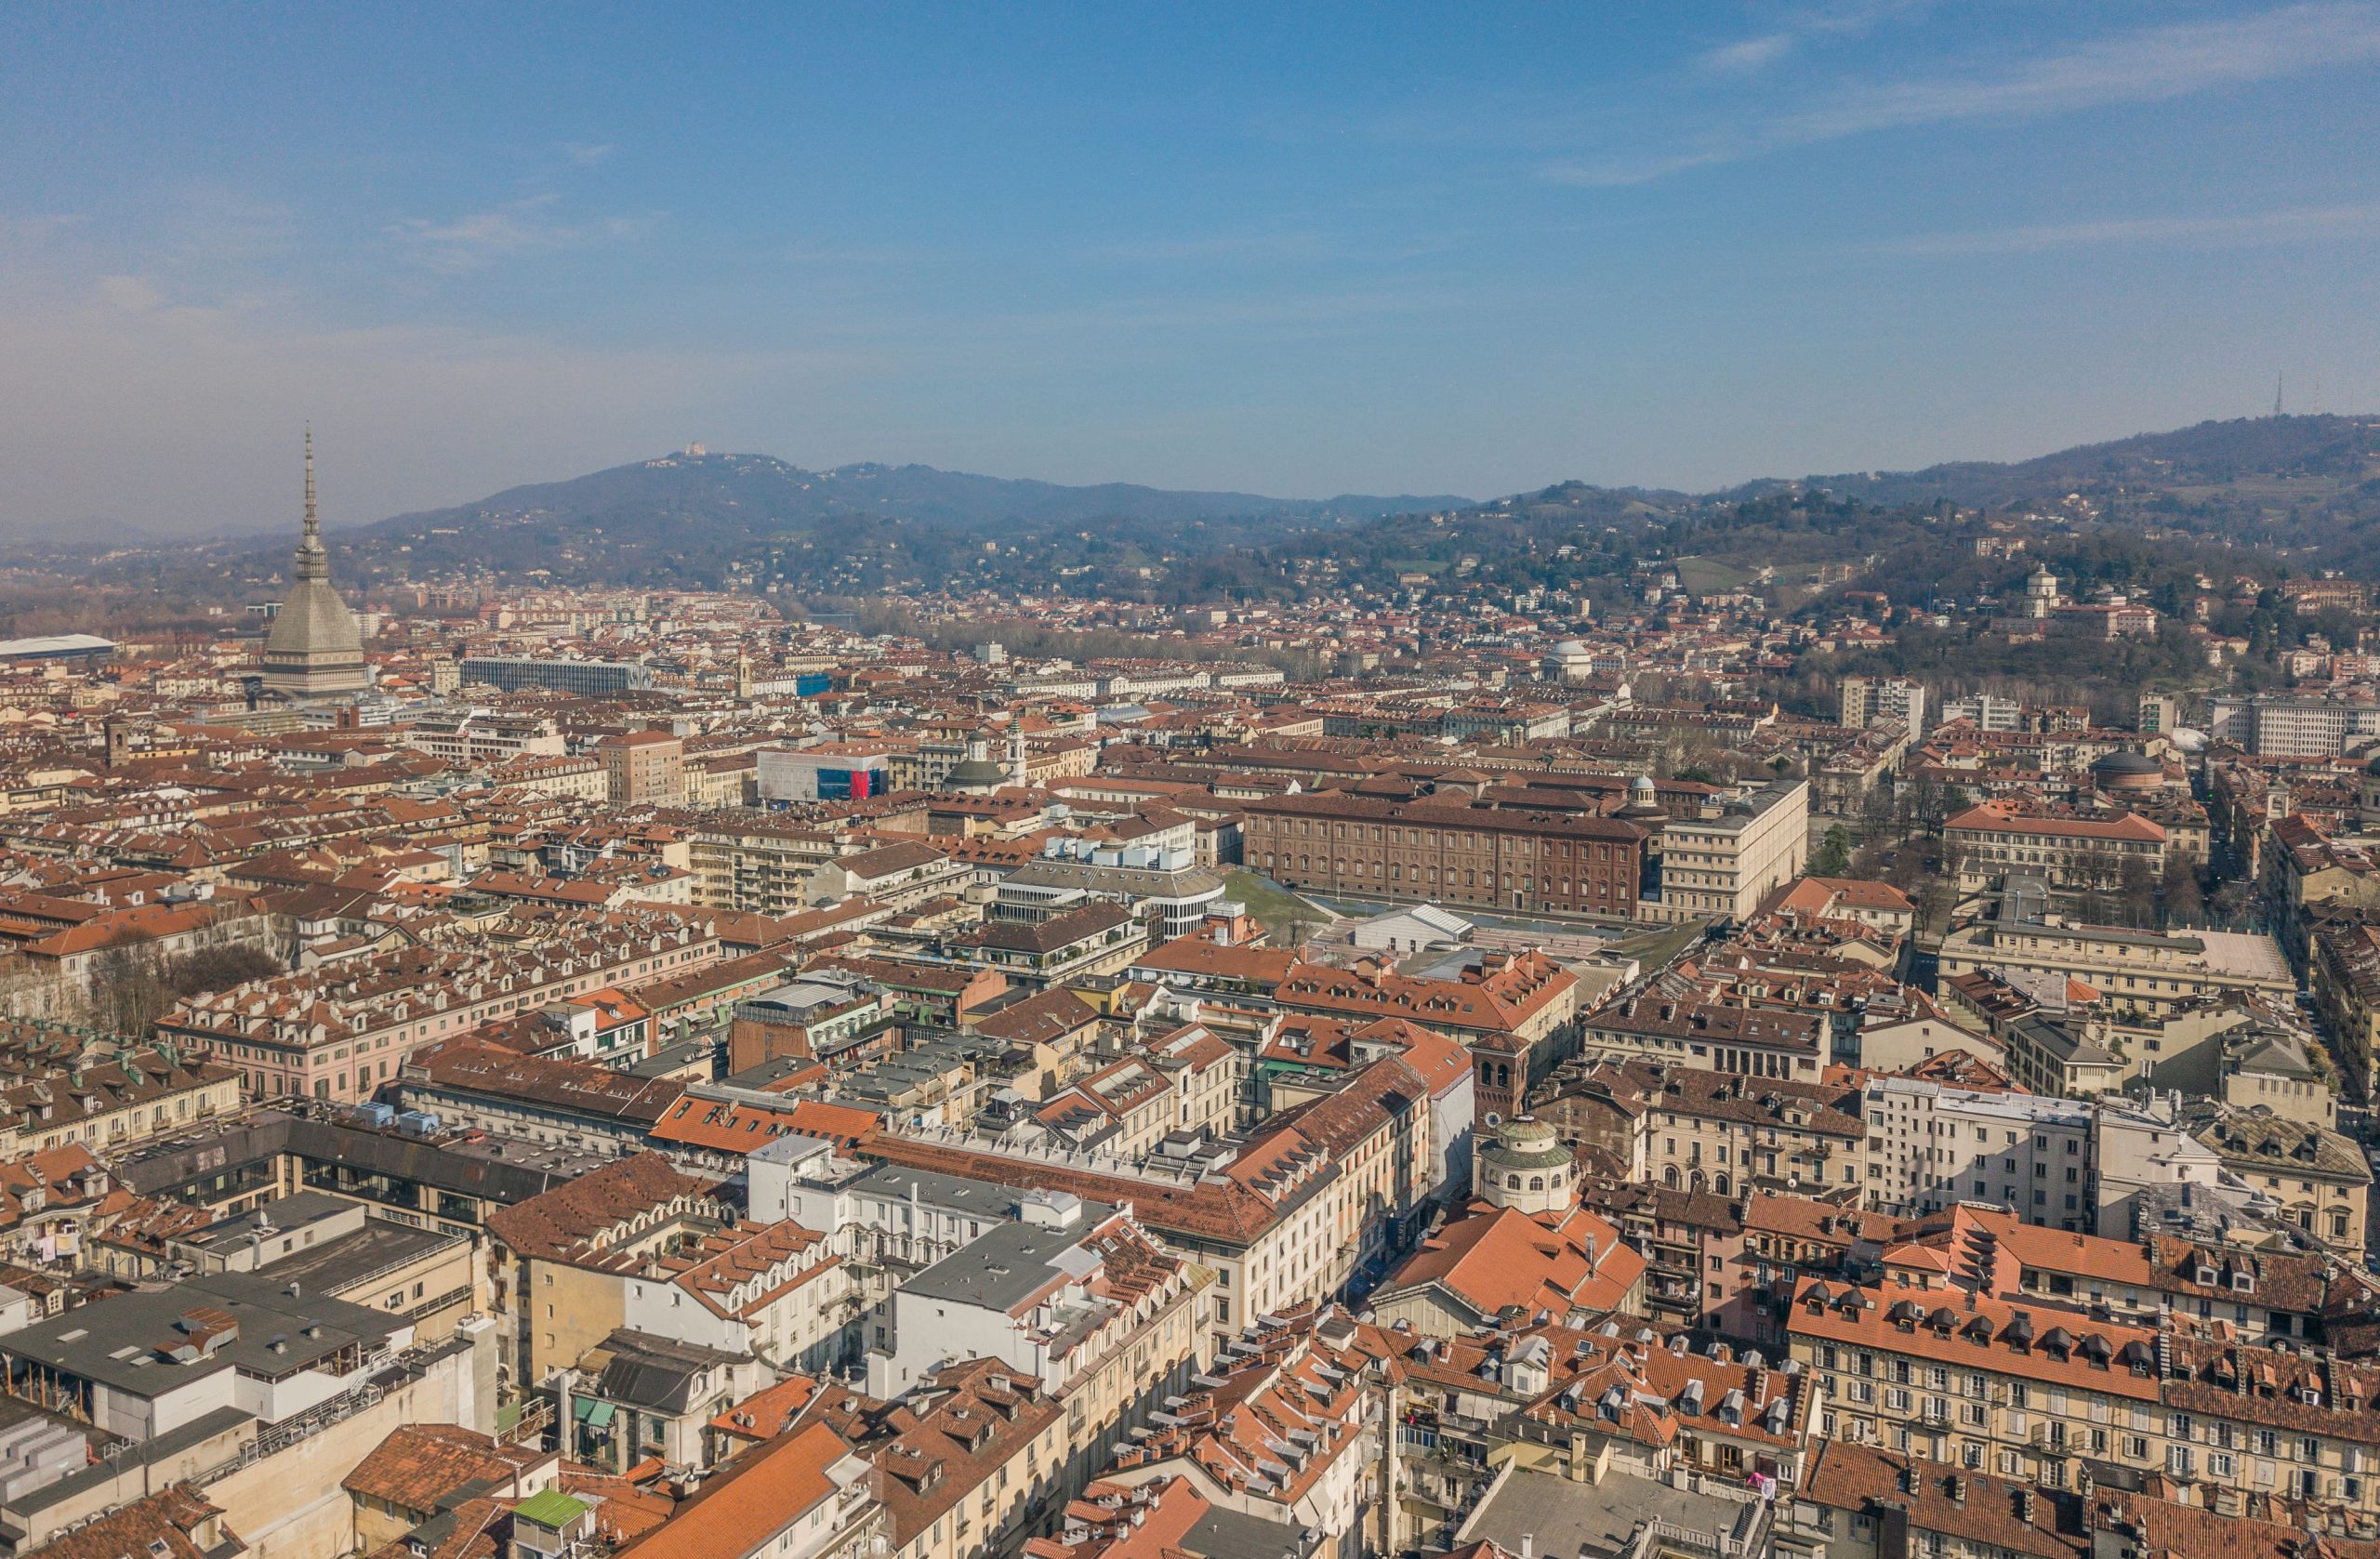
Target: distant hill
756	495
2317	453
2310	484
691	517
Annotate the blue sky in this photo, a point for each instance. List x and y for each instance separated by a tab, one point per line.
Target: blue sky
1293	249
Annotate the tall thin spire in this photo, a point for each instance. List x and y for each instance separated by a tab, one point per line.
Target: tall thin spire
311	561
313	523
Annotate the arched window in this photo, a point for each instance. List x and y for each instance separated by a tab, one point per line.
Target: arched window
1537	1182
1669	1177
1513	1182
1719	1185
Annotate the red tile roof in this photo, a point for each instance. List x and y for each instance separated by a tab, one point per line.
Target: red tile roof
758	1494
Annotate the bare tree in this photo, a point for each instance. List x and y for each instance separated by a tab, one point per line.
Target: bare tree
2185	900
2136	881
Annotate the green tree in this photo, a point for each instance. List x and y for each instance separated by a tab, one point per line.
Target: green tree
1834	853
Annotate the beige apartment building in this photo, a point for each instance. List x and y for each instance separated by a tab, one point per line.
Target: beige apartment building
2028	1391
341	1031
1992	841
2344	964
1691	1129
970	1466
759	867
1305	1205
644	768
2151	973
571	777
564	1259
1724	865
2317	1177
111	1106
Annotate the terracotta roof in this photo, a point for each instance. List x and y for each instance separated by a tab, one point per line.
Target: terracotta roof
1203	955
941	1442
578	1222
767	1413
1998	1513
1047	937
1498	1259
173	1517
581	1087
1498	998
2166	1529
758	1494
1992	817
1126	1521
1286	1386
736	1126
1041	1018
421	1466
1882	1320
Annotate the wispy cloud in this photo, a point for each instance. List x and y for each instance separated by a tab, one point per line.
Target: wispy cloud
1749	55
2289	226
469	242
587	153
1617	172
1845	19
2146	65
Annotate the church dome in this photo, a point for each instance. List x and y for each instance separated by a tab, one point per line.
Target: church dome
2127	771
977	770
1526	1167
1643	802
1525	1142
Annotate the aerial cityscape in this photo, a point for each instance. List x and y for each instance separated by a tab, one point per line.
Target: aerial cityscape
781	998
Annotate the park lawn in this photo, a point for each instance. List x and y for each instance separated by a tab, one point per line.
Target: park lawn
1655	948
1274	907
1703	577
